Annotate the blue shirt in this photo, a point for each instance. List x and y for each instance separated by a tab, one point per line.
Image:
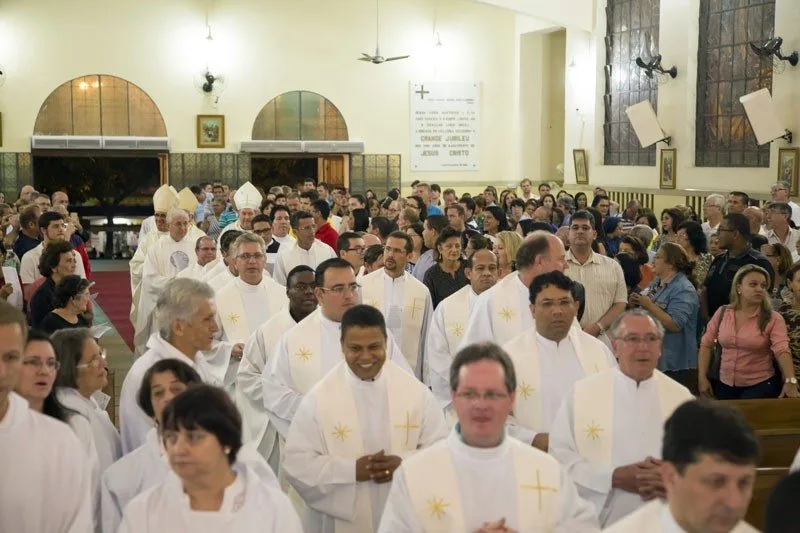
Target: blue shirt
434	210
679	299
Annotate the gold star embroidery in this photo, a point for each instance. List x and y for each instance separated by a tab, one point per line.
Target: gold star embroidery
436	506
341	432
458	330
506	313
525	390
233	318
593	431
304	353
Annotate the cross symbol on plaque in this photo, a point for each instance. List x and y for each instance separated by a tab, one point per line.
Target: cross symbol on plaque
539	488
414	307
408	426
422	92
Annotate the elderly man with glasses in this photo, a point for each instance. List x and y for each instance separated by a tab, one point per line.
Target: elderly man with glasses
780	193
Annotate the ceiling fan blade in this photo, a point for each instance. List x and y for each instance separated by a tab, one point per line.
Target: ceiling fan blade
368	59
395	58
366	55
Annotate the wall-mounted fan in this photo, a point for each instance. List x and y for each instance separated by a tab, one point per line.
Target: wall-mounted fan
211	84
377	59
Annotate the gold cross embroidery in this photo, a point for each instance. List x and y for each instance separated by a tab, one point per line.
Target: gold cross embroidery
436	506
458	330
304	353
539	488
415	306
341	431
233	318
408	426
506	313
593	431
525	390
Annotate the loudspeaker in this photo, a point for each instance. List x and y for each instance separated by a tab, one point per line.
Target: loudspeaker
645	123
763	116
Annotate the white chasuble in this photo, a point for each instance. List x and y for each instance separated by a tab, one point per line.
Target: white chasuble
407	309
293	255
540	376
136	265
655	517
500	313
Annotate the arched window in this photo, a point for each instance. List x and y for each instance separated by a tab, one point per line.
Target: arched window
299	116
99	105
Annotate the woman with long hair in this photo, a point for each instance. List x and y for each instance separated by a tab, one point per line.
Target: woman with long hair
415	232
416	203
691	236
780	258
508	242
635	247
548	201
494	221
581	201
671	219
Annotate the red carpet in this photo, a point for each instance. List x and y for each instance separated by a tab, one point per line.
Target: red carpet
114	296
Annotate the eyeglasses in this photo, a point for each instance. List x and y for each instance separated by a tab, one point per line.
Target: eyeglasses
304	287
636	339
248	257
341	289
95	362
490	396
35	362
359	249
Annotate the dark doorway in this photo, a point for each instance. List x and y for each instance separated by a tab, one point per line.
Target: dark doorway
269	171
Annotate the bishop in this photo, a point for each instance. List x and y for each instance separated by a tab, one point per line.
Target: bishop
247	200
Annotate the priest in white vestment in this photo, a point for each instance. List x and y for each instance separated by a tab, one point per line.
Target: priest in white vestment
168	256
245	303
710	454
45	484
186	326
501	313
281	226
550	357
354	429
225	270
309	350
258	355
307	250
205	250
608	432
478	478
450	320
403	300
247	200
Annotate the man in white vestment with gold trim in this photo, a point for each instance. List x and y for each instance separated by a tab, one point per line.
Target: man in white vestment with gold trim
247	200
258	355
354	429
245	303
308	351
450	320
479	479
608	431
403	300
710	455
188	202
550	357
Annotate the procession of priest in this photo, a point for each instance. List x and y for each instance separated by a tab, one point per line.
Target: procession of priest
311	360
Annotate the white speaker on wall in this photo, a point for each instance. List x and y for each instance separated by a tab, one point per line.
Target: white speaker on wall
645	124
763	117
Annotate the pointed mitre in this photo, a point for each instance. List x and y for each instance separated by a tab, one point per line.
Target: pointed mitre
164	199
187	200
247	197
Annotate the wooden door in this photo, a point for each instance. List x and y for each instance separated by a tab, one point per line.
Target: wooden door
334	170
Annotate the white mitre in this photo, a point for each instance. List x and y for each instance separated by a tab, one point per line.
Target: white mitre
164	199
187	200
247	197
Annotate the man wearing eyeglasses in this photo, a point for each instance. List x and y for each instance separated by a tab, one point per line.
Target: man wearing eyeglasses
308	250
351	247
309	350
245	303
205	250
593	431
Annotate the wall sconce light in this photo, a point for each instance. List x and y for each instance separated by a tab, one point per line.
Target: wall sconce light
773	48
654	65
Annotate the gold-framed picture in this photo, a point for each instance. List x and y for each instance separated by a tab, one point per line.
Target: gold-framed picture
581	166
668	168
788	165
211	131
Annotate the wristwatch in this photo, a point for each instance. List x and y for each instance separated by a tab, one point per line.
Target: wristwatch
792	380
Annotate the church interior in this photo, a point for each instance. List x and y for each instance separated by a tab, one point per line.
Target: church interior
659	106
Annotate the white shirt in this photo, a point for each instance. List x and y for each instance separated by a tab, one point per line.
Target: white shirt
45	483
29	265
709	230
104	434
280	393
480	328
286	240
292	256
327	483
148	225
789	242
795	213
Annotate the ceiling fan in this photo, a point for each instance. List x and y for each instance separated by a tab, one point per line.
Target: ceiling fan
377	59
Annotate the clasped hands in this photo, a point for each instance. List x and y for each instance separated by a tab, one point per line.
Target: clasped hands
498	526
377	467
642	478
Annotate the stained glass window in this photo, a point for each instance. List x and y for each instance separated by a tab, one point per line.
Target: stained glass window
727	70
379	172
299	115
631	32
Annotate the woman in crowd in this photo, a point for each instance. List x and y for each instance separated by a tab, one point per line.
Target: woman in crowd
494	221
693	239
530	206
780	258
752	337
650	220
374	208
548	201
391	208
360	220
598	245
635	248
415	232
71	302
80	380
57	262
581	201
506	197
790	311
671	219
631	273
370	195
475	243
447	275
210	490
146	466
505	248
373	258
416	203
672	300
612	227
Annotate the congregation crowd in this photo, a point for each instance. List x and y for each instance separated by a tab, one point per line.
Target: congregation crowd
311	360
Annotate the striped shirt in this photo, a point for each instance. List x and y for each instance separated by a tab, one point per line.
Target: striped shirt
604	283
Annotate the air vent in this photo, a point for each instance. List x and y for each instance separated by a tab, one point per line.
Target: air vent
65	142
271	147
333	147
136	143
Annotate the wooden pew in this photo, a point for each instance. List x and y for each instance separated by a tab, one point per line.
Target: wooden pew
777	424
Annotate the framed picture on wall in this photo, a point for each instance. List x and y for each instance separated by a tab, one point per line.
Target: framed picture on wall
211	131
581	167
788	164
669	161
